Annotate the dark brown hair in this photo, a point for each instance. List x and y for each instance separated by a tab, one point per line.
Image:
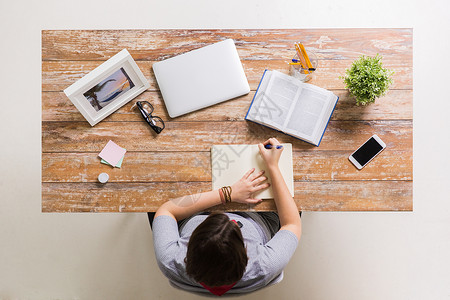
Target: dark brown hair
216	253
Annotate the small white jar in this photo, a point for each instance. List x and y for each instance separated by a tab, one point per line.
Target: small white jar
103	178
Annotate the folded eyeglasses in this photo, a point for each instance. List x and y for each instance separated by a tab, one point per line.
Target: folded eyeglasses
155	122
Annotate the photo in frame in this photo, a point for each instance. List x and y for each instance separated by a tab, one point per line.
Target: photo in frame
107	88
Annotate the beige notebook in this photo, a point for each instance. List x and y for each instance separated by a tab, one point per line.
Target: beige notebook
230	162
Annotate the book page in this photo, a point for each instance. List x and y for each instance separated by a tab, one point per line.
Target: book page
230	162
307	113
275	97
326	117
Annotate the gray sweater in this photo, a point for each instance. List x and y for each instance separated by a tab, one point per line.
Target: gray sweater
266	257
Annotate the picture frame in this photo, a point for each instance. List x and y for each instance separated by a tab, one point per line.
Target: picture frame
108	87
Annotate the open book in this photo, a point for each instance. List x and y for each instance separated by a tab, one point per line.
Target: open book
284	103
230	162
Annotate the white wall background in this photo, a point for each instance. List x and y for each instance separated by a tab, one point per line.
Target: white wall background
110	256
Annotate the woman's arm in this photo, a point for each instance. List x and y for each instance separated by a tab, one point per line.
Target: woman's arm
186	206
286	207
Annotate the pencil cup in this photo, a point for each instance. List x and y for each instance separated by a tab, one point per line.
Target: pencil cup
302	73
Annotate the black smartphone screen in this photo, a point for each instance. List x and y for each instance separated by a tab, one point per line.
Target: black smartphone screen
367	151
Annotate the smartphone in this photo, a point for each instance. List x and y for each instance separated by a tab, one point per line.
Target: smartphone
371	148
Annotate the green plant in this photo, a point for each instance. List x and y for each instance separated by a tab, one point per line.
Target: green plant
367	79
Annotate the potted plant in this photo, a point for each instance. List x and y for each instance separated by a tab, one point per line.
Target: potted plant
367	80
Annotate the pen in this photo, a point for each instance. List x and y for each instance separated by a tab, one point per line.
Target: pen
269	146
309	69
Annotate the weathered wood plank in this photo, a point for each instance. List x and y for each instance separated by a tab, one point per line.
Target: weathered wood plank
58	75
309	196
199	136
396	105
253	44
137	167
391	164
196	166
354	196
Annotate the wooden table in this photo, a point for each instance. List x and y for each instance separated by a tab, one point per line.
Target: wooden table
177	162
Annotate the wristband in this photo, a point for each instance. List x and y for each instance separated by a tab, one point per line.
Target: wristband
222	198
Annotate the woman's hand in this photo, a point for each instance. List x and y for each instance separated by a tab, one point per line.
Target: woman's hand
250	183
271	156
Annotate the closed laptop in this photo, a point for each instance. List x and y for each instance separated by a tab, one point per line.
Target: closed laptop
201	78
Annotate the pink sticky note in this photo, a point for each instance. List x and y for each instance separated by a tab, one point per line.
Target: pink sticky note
112	153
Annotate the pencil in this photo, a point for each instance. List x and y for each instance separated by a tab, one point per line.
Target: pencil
296	64
302	59
308	62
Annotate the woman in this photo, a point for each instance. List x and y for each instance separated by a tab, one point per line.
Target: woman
231	252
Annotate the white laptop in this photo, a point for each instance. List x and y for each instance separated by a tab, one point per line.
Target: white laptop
201	78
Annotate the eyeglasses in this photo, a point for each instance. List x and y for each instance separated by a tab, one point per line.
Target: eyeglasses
156	123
